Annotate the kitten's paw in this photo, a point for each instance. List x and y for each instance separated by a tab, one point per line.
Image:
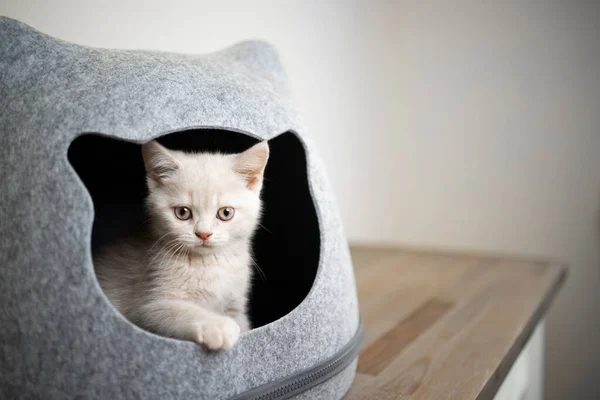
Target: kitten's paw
218	333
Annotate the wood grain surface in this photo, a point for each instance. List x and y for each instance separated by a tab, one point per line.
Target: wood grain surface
445	326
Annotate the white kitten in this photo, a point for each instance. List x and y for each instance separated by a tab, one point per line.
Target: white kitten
188	275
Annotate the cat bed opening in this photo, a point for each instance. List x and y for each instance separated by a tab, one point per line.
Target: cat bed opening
287	242
65	192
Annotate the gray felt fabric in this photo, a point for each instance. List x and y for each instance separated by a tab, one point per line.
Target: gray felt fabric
334	388
59	337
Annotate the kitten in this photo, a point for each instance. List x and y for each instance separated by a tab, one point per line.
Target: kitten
187	276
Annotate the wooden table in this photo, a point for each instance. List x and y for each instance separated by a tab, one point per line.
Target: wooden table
445	326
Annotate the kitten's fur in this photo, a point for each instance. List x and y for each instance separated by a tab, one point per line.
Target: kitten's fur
167	279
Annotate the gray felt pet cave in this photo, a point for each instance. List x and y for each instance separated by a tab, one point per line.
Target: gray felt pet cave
72	119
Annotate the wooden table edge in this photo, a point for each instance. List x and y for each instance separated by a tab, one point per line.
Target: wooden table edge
558	270
499	375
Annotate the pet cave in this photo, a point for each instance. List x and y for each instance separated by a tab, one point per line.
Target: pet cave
73	119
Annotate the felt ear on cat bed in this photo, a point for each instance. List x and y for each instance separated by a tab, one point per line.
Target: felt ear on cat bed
71	120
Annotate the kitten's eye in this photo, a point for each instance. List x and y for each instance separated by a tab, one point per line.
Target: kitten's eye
183	213
225	213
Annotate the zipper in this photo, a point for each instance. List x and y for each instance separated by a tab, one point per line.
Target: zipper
295	384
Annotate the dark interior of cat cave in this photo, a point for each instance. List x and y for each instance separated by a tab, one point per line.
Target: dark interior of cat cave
287	244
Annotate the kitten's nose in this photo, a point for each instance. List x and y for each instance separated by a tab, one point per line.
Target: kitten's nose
203	235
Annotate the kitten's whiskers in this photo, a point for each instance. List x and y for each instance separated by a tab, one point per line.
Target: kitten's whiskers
264	227
159	239
168	251
258	269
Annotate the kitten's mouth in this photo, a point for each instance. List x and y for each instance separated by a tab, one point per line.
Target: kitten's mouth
204	249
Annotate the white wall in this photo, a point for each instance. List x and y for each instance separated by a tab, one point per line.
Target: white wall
447	125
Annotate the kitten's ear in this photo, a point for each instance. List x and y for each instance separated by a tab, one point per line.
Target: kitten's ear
251	165
158	161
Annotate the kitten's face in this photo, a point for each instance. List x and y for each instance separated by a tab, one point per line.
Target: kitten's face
204	203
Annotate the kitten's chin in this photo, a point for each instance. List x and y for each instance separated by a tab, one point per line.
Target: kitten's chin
204	249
